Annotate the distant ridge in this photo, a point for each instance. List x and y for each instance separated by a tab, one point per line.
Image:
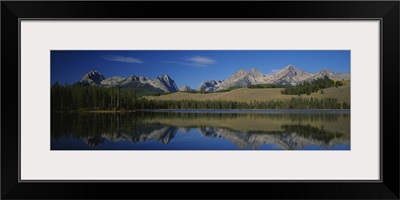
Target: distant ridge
162	83
287	76
185	88
241	78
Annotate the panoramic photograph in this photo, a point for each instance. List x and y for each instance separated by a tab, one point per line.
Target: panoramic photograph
200	100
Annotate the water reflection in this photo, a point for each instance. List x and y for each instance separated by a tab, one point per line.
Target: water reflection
201	131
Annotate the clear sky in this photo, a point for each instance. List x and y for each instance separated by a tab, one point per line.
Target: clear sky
190	67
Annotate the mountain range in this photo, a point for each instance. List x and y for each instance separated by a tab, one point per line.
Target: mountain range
184	88
242	78
162	83
287	76
287	140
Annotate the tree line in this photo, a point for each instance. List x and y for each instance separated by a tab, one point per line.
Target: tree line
293	103
308	131
313	86
131	126
77	97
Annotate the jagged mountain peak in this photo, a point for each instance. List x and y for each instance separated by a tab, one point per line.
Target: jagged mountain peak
93	73
165	76
92	78
143	78
162	83
165	83
290	67
292	71
289	75
184	88
133	76
209	86
241	72
255	72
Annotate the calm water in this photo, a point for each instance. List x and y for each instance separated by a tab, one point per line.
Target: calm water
202	130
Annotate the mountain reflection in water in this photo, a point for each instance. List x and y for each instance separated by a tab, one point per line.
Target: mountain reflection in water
200	131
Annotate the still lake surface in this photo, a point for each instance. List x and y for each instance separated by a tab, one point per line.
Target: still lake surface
202	130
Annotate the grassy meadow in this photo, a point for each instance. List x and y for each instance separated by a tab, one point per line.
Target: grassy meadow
341	93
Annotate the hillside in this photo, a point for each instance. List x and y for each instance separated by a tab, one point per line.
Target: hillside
241	78
142	85
287	76
341	93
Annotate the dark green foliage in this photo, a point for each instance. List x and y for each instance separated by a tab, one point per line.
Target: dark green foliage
339	83
133	125
77	97
294	103
345	105
143	92
313	86
308	131
161	93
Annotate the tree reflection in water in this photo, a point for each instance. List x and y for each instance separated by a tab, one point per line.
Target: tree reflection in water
289	131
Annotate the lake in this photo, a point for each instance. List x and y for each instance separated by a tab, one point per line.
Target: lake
202	130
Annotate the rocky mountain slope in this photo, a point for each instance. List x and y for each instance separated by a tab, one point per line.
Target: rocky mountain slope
242	78
162	83
287	76
209	86
185	88
164	134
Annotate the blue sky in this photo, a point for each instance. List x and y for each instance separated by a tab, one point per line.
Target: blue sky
190	67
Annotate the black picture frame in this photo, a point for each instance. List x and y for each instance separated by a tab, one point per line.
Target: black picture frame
386	11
